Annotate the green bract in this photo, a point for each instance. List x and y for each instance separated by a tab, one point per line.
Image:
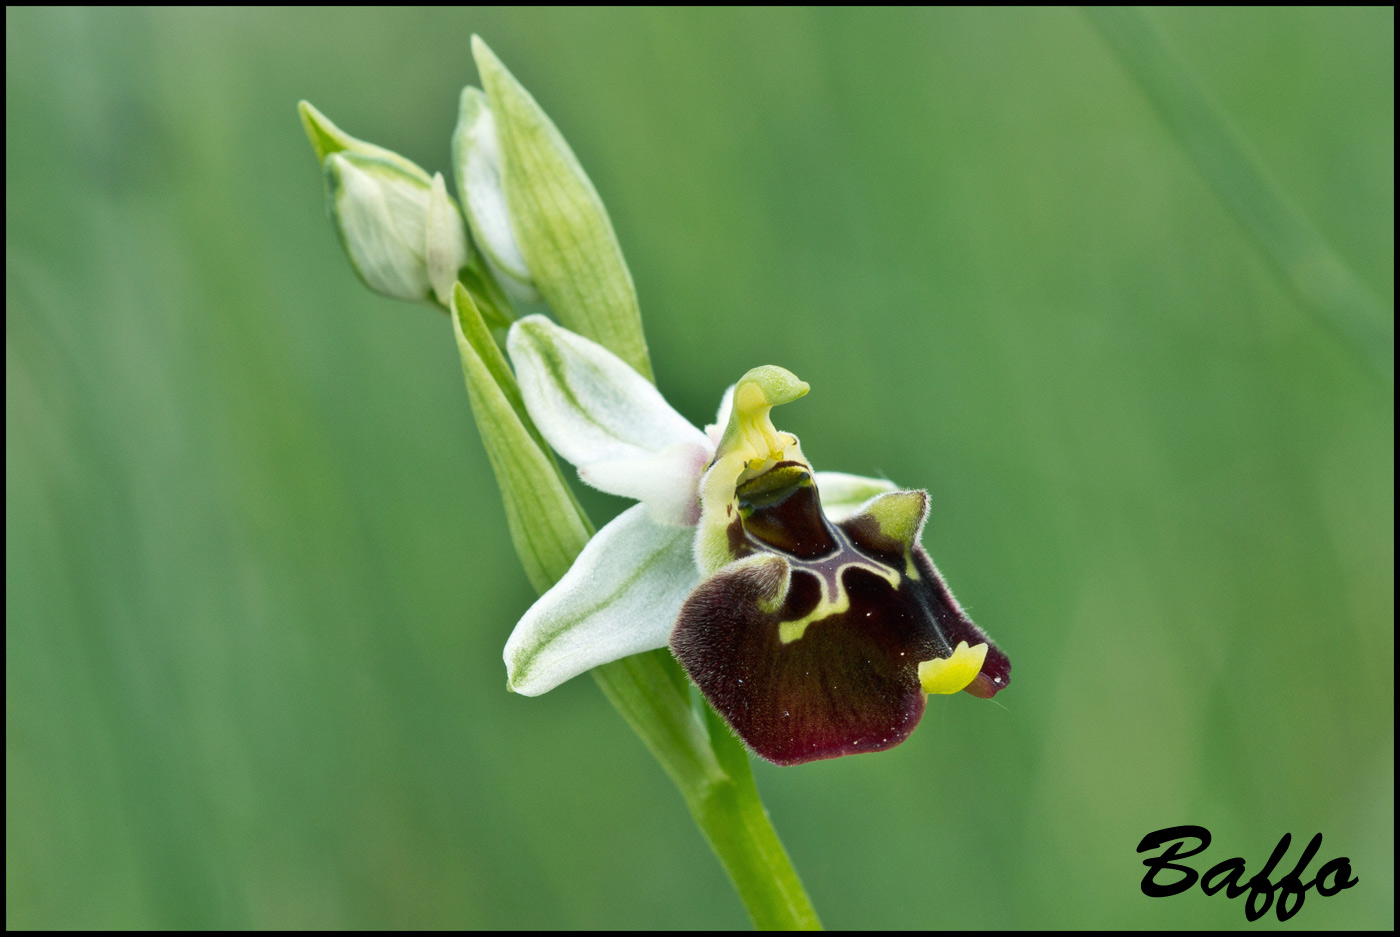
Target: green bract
326	138
546	525
813	637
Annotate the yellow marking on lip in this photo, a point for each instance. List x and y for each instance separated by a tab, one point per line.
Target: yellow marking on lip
790	631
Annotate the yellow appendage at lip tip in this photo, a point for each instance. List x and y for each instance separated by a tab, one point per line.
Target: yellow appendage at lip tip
951	674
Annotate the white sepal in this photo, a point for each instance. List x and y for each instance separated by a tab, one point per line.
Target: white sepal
843	495
664	481
607	419
620	597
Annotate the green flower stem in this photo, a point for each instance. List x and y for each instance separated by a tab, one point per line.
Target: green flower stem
736	823
1312	270
711	769
698	752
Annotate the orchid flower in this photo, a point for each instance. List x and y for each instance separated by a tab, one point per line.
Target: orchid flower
799	602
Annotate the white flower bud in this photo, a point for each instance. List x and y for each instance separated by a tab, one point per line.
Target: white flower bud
381	211
476	161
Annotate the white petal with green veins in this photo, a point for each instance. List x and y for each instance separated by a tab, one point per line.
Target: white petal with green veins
619	598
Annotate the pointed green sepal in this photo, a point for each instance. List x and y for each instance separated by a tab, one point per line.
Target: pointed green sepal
559	222
326	138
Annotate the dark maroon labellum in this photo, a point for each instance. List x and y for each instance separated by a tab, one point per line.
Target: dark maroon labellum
809	644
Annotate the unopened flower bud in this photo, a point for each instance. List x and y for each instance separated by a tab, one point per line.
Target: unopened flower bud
381	212
476	161
402	232
528	196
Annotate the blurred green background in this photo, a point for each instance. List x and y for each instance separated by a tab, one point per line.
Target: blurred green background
257	574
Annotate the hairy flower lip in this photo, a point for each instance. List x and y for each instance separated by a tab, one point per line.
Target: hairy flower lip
812	640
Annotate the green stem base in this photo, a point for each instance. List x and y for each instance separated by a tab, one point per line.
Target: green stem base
711	768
